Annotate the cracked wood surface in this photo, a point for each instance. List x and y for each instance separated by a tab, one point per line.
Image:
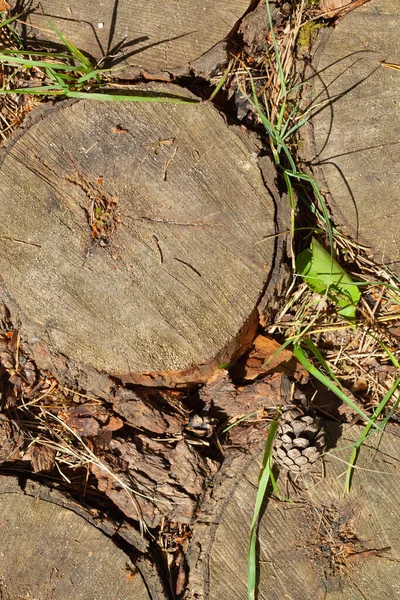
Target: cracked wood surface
136	240
157	36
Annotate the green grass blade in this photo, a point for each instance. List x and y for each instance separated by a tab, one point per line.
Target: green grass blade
61	55
76	53
295	127
12	61
45	90
94	74
263	480
390	354
302	358
367	428
321	359
222	81
59	79
11	19
136	97
276	51
253	414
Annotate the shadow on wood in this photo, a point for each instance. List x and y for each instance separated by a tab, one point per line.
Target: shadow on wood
49	551
157	37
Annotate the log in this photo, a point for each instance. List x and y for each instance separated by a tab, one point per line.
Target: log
136	240
352	140
152	37
52	548
327	545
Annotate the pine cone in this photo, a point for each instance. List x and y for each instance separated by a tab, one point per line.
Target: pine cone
11	438
299	440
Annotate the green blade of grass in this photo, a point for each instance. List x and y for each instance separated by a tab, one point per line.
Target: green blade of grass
321	359
277	54
13	52
367	428
50	90
60	79
77	54
263	480
12	61
244	418
136	97
222	81
54	90
11	19
94	74
302	358
390	354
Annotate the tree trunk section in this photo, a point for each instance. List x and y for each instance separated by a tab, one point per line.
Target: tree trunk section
328	545
52	548
136	240
165	38
352	140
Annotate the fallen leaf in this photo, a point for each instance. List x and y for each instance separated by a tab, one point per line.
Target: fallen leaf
325	276
335	8
113	424
258	361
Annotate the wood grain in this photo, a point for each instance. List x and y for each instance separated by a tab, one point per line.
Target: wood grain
176	283
352	140
151	36
48	551
297	541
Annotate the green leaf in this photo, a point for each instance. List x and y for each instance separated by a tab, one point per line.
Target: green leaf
324	275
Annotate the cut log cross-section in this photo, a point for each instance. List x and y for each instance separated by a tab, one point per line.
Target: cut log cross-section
53	548
135	240
156	37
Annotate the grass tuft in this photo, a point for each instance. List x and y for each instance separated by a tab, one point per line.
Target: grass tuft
70	74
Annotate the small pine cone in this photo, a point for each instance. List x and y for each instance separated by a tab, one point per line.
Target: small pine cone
299	440
11	438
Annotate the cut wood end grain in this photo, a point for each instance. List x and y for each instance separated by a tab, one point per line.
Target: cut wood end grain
111	266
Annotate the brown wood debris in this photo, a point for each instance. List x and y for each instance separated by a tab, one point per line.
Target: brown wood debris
43	458
149	410
169	479
266	356
221	395
11	439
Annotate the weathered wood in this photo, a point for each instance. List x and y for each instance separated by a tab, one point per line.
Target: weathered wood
157	37
313	548
49	551
133	241
352	141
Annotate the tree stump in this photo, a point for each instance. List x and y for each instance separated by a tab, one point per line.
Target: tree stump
328	545
136	241
52	548
353	141
155	37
